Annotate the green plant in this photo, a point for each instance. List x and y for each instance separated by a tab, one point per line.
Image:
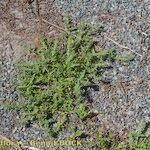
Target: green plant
78	133
138	140
127	58
102	141
51	85
81	112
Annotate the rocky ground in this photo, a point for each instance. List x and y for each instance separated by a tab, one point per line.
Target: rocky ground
124	101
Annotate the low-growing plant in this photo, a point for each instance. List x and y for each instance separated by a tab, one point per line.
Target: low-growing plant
102	141
51	85
138	140
127	58
81	112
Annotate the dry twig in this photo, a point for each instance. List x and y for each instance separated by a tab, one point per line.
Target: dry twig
144	20
122	46
62	29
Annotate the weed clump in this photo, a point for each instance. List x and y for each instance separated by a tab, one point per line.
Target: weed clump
51	86
137	140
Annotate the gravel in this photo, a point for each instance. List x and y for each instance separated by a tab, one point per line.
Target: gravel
122	103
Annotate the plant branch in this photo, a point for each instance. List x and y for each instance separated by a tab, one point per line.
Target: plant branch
122	46
59	28
62	29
